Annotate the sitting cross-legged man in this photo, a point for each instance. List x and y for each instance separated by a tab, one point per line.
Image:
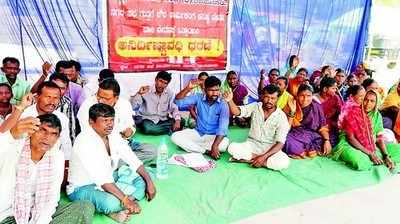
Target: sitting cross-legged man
158	114
212	122
109	93
267	135
105	171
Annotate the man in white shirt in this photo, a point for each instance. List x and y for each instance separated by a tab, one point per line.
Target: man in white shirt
268	131
48	99
108	93
31	172
105	171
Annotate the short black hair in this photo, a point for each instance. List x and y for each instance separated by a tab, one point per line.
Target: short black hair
273	69
339	70
271	89
305	87
353	90
59	76
76	64
326	82
367	82
284	79
212	81
202	74
51	120
106	74
4	84
100	110
11	60
303	69
47	84
110	84
350	77
164	76
63	64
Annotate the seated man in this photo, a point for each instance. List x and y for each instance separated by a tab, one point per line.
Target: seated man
96	168
156	106
20	87
191	120
212	122
267	134
75	91
5	101
76	75
31	172
47	100
108	93
65	105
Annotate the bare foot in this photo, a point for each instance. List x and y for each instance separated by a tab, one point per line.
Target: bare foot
302	156
311	154
120	217
233	160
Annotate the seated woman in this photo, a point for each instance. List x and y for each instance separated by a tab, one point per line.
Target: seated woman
362	131
360	72
286	101
340	78
273	75
292	66
331	104
390	110
294	83
351	80
326	71
371	84
240	95
309	135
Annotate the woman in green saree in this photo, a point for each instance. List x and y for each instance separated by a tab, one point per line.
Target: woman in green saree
362	134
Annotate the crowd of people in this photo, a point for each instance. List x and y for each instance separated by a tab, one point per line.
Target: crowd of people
65	134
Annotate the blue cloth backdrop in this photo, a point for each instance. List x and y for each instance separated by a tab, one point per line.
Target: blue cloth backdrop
266	33
263	33
50	30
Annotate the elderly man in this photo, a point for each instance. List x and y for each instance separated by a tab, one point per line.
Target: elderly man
31	172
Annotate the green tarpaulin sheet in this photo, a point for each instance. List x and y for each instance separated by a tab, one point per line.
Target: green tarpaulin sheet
234	191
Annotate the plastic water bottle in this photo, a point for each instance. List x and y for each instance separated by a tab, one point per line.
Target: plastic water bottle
162	160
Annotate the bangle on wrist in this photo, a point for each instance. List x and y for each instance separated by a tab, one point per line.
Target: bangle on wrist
385	156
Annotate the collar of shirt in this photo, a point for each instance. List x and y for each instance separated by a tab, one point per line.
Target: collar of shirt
18	80
204	98
153	90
